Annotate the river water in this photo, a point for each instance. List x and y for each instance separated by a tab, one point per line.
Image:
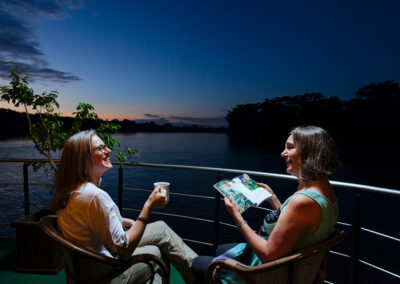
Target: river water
211	150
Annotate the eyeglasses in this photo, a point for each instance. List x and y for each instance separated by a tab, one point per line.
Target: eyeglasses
100	148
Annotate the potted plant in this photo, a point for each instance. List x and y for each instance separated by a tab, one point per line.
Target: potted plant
37	253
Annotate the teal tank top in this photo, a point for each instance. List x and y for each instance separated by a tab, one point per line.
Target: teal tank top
328	221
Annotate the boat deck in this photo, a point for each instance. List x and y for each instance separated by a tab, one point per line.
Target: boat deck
8	264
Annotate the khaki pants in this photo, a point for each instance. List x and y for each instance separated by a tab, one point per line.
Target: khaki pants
160	240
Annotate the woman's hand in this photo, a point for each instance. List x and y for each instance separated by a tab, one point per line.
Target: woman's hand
266	187
233	209
274	200
157	198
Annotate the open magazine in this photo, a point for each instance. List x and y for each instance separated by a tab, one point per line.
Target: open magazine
244	190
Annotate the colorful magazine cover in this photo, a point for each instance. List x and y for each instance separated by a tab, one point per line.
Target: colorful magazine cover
244	191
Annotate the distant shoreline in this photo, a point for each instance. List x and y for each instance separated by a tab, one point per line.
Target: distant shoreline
16	126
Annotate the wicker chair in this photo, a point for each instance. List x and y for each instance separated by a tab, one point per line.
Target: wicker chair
305	266
86	266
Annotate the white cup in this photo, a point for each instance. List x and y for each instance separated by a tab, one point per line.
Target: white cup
164	185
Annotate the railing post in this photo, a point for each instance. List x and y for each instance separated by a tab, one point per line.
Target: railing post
120	188
26	188
216	214
356	237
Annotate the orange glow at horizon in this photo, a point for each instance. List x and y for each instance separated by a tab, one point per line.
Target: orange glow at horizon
68	113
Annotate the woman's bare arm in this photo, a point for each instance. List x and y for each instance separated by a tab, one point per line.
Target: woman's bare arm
296	218
157	199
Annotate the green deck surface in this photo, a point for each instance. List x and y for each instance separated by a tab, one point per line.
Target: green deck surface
8	263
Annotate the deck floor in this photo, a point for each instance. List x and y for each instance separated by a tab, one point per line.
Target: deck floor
8	263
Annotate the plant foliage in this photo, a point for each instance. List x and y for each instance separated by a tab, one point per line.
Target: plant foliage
47	131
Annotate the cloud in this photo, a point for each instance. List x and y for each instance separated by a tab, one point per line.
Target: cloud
184	120
18	42
54	9
16	39
149	115
38	73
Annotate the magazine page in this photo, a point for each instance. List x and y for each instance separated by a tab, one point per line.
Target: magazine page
227	188
250	189
244	190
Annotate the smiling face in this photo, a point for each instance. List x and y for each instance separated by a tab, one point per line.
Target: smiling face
292	157
100	157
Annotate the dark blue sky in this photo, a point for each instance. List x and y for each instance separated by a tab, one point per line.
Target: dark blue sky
192	61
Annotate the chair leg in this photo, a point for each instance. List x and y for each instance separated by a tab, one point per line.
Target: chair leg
321	275
164	272
152	271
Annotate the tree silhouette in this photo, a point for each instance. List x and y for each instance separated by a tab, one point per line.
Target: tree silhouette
364	127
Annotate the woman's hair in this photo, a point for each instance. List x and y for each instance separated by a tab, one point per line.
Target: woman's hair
317	152
74	168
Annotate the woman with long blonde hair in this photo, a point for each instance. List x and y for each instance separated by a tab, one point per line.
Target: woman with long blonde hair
89	217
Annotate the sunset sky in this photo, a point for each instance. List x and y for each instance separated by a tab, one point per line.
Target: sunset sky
192	61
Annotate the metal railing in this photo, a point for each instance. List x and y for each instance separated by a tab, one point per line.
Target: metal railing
356	227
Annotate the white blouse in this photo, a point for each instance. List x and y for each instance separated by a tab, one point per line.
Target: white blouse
92	220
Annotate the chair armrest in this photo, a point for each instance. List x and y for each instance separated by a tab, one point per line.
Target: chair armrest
146	257
243	269
240	267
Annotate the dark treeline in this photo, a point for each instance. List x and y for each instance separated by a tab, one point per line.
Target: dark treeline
365	128
14	125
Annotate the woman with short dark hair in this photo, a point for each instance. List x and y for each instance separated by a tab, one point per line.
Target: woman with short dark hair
307	217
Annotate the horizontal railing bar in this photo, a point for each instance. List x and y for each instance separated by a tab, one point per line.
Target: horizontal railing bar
345	224
137	189
367	263
263	208
172	193
380	234
173	215
191	195
194	241
132	209
379	268
362	187
340	254
371	231
210	169
185	217
369	188
227	224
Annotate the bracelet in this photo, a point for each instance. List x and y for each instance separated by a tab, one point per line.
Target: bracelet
241	224
144	220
